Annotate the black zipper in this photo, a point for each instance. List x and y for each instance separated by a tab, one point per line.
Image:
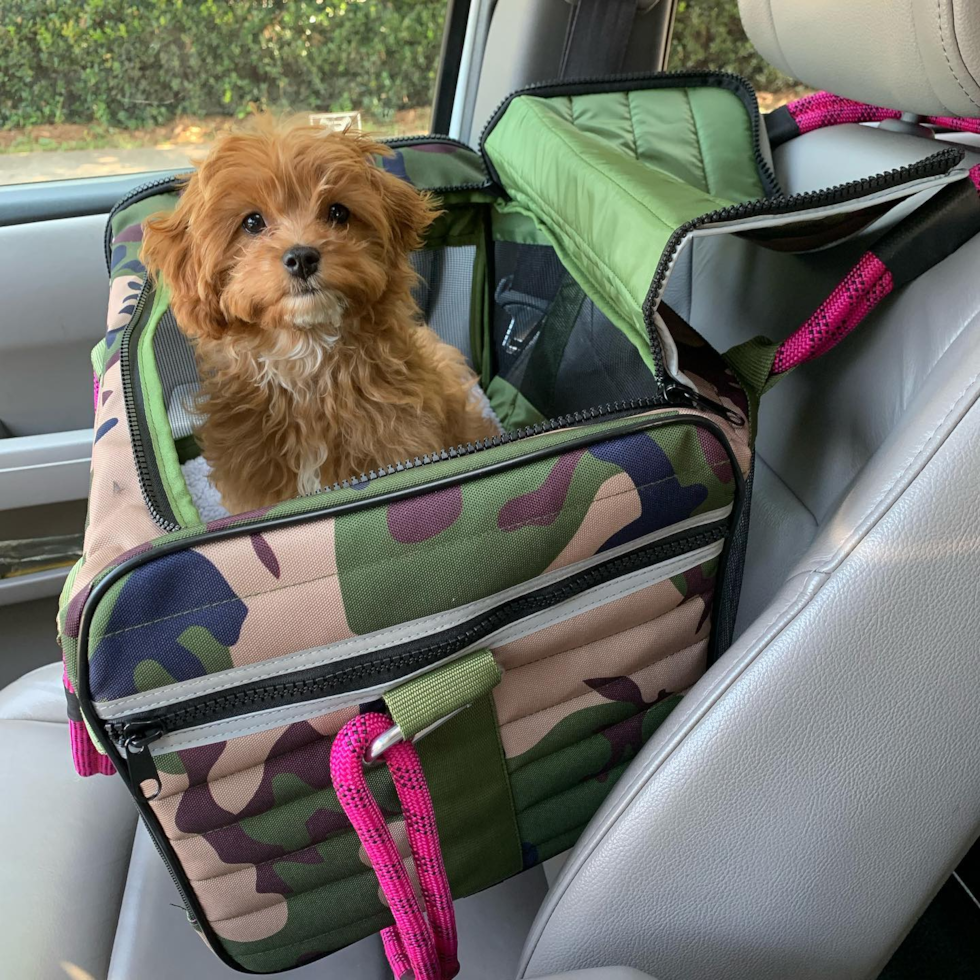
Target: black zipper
136	733
677	396
140	763
161	185
148	476
932	166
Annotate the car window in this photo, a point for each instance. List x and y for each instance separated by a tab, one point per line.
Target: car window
709	34
94	87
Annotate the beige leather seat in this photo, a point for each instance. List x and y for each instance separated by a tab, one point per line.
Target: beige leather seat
798	811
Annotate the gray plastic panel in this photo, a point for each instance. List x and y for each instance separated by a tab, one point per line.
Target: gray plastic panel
53	199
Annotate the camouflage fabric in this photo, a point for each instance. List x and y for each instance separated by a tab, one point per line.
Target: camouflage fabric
218	605
258	831
278	874
580	698
436	164
253	820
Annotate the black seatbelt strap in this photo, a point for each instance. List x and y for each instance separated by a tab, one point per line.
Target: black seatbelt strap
597	36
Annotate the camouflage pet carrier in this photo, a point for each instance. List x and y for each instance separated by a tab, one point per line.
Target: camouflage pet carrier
501	625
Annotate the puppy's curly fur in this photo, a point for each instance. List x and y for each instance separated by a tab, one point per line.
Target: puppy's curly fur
306	378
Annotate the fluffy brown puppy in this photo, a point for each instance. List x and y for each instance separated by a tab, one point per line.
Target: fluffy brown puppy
287	263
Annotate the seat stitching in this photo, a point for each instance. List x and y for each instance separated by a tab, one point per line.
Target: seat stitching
861	529
949	63
697	136
775	35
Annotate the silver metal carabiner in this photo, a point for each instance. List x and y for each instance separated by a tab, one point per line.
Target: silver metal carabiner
394	735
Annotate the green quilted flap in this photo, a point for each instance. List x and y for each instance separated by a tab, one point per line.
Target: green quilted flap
609	176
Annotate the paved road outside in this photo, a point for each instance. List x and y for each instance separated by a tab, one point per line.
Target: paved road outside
17	168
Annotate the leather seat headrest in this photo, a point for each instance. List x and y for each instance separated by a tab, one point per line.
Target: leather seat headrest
915	55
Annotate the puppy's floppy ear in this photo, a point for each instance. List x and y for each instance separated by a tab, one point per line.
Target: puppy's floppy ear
409	211
169	253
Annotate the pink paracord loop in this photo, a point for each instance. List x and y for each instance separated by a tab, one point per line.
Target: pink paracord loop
861	290
419	945
826	109
88	760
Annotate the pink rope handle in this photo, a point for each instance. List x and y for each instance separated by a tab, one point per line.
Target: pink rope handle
861	290
416	947
826	109
88	760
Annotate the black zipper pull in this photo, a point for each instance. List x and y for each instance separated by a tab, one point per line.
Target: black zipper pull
139	760
681	396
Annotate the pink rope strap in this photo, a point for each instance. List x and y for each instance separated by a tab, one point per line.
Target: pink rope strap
826	109
418	948
861	290
88	760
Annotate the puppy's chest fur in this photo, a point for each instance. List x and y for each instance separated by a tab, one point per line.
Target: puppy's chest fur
317	410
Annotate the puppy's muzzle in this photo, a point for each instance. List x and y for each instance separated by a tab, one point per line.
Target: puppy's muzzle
301	261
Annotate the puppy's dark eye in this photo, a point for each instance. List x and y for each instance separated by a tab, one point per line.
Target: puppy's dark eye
339	214
253	223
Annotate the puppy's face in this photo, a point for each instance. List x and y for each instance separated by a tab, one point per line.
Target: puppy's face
286	230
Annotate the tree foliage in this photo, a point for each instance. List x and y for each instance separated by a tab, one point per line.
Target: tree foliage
135	63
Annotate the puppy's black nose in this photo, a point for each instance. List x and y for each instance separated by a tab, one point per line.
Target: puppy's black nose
301	261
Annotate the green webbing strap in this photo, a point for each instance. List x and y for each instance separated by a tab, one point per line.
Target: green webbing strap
752	362
464	767
468	781
430	698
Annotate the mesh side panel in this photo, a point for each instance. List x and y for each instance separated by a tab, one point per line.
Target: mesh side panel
599	365
443	292
528	279
178	374
551	341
